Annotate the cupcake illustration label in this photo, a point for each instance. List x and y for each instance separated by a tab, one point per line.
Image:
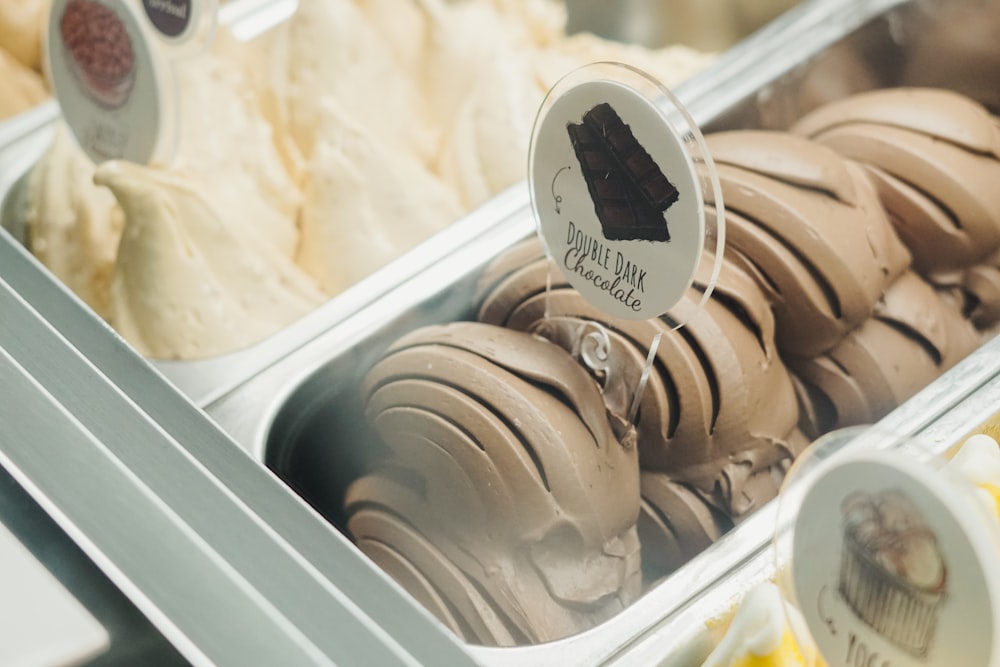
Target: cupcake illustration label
616	196
891	567
105	78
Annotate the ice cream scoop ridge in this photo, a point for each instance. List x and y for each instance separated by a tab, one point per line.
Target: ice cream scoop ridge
912	337
716	420
982	283
809	225
237	163
507	475
476	159
976	292
357	191
332	51
935	158
74	228
189	282
675	524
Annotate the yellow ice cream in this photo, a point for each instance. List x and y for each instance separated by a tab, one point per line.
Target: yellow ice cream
760	636
978	460
361	194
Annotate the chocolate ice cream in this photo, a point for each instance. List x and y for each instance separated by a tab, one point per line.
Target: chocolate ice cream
507	497
934	156
808	224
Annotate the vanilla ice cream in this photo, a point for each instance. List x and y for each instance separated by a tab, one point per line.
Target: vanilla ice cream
190	281
337	141
74	225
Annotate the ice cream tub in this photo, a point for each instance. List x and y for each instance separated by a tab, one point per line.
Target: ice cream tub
244	330
302	416
679	622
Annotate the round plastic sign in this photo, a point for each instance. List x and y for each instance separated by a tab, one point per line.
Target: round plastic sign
891	560
616	174
109	84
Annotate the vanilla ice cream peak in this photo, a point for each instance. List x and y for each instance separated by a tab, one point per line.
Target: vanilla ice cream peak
74	225
189	281
420	132
360	194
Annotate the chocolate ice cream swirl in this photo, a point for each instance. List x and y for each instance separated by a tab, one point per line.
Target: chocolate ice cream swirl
678	521
913	336
981	284
976	292
719	404
935	158
675	525
507	504
808	224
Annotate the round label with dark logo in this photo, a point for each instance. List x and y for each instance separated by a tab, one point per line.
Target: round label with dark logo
170	17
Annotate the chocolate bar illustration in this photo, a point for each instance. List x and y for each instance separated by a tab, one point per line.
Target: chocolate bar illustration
628	189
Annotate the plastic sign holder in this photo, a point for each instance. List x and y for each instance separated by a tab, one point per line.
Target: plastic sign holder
618	173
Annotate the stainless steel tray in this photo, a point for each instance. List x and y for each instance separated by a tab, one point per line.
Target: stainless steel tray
205	381
226	562
300	415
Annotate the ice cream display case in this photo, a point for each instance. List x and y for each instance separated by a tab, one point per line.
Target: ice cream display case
301	417
245	488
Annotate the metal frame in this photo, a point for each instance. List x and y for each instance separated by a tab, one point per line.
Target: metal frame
228	563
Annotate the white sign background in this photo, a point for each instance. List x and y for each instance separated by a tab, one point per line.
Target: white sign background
964	633
561	198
